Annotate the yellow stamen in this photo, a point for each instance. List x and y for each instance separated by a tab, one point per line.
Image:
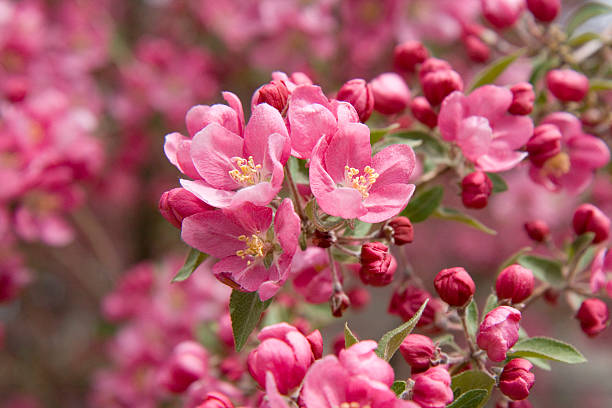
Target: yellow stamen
353	405
255	247
557	165
361	183
247	172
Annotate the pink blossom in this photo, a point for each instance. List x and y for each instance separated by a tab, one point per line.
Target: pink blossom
484	130
356	376
246	246
234	170
601	272
187	364
432	388
347	182
581	154
312	275
499	332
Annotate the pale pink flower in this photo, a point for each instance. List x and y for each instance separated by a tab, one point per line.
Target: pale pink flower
349	183
581	154
481	126
432	388
247	249
601	272
312	275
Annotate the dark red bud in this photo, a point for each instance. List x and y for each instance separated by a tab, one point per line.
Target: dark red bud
408	55
403	231
593	316
455	286
358	93
377	264
274	94
476	188
522	99
589	218
423	112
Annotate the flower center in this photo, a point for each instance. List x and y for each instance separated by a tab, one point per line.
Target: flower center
255	247
353	405
557	165
246	173
361	183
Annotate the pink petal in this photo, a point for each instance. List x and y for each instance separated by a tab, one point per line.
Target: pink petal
598	275
342	202
287	227
394	164
214	233
171	146
325	384
474	137
386	202
210	195
489	101
515	131
451	114
320	181
499	158
248	276
234	102
183	157
350	146
264	121
588	151
568	124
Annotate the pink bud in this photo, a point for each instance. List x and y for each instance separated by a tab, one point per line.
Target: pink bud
476	49
476	188
232	367
405	302
423	112
432	65
15	88
522	99
316	343
514	282
520	404
359	298
537	230
285	352
377	264
432	388
216	400
567	85
403	231
544	144
544	10
358	93
589	218
391	94
300	78
499	332
438	85
502	13
407	55
455	286
178	204
417	350
274	94
339	302
593	315
188	363
516	380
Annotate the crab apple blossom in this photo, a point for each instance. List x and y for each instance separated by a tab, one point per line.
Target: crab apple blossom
498	332
438	84
216	400
188	363
567	85
311	274
544	144
593	316
406	301
455	286
349	183
407	55
522	99
601	272
581	154
517	379
283	351
476	188
588	218
476	49
378	265
274	93
417	350
391	94
432	388
515	283
502	13
358	93
537	230
253	257
484	130
178	203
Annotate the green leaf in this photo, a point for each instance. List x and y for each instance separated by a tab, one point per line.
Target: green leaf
545	269
490	305
471	380
471	319
586	258
349	337
398	387
583	39
426	139
471	399
390	342
194	259
581	243
512	259
584	14
540	363
548	349
451	214
245	311
444	339
491	72
424	204
298	170
541	67
377	134
499	185
600	84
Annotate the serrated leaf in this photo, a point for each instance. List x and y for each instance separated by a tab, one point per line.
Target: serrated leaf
398	387
491	72
390	342
512	259
471	319
451	214
471	399
584	14
490	305
194	259
349	337
545	269
472	380
600	84
548	349
245	310
424	204
583	39
499	184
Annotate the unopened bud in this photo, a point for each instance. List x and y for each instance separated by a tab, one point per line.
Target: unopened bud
455	286
216	400
514	282
476	188
537	230
433	65
358	93
438	85
178	204
274	94
339	303
377	264
423	112
589	218
567	85
517	379
417	350
544	10
407	55
403	231
391	94
476	49
593	316
522	99
544	144
502	13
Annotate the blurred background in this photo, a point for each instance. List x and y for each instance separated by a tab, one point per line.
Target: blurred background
88	90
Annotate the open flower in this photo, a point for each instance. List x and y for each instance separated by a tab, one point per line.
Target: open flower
349	183
481	126
253	256
234	170
573	167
